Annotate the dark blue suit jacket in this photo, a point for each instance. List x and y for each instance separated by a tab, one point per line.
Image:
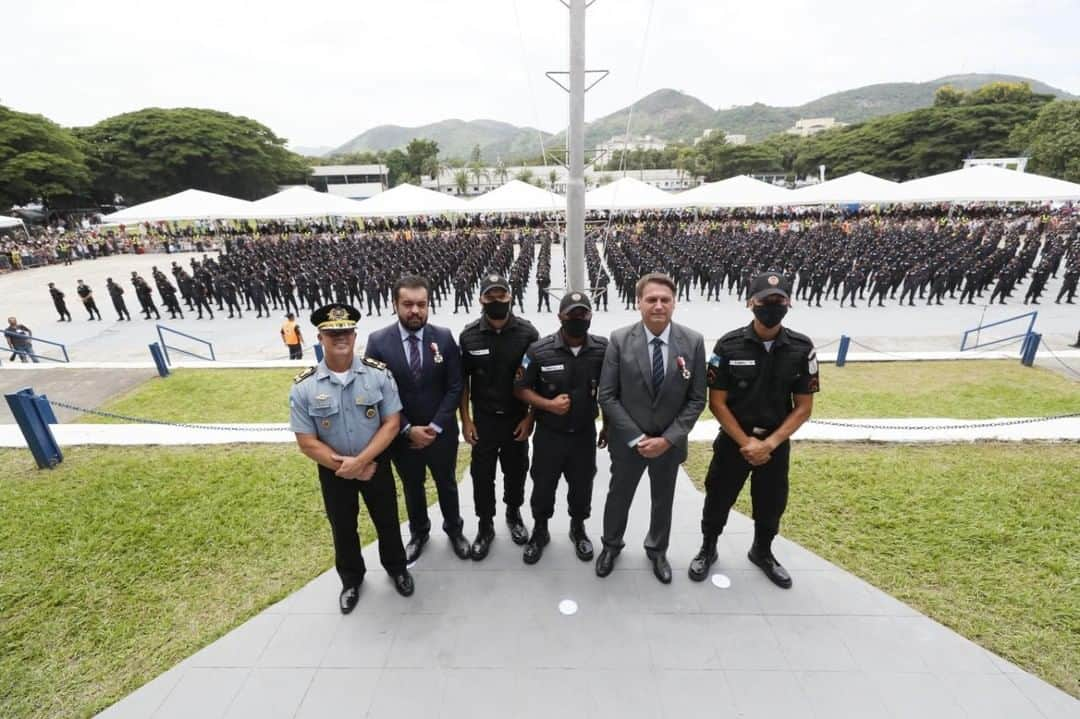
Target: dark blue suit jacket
435	398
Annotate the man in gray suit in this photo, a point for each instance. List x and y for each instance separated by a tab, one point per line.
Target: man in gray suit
652	390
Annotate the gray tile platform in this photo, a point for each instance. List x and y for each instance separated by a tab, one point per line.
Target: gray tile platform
487	640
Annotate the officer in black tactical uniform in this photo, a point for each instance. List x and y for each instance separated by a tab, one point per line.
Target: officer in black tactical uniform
559	376
762	379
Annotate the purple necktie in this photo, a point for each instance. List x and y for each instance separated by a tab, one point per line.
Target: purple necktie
414	356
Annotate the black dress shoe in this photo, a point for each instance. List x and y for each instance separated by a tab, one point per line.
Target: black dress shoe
699	565
415	547
518	531
661	569
768	564
349	597
482	544
605	563
535	547
460	546
403	583
583	546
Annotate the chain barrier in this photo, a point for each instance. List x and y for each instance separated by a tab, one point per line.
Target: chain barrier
144	420
880	352
974	424
1060	361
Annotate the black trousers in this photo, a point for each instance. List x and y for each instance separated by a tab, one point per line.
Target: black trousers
727	474
572	454
61	307
412	466
121	309
341	498
296	351
91	307
497	444
627	466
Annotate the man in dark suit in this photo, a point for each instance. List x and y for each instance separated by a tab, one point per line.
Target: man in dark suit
426	365
652	390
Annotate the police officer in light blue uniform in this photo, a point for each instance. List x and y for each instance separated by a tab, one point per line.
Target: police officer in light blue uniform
346	413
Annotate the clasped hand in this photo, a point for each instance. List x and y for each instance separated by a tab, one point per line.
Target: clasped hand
354	468
756	452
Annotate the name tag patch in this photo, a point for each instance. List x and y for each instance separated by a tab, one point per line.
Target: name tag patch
480	353
551	367
742	363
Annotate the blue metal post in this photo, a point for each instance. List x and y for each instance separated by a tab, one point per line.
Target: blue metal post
159	359
26	408
318	353
1034	339
841	353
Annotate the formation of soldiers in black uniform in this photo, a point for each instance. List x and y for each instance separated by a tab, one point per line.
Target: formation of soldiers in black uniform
867	259
919	257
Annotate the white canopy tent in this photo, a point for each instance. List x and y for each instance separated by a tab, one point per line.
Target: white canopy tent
407	199
518	196
627	193
6	221
986	183
298	202
186	205
856	188
738	191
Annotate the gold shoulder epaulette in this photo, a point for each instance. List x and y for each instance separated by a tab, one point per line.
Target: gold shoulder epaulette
374	363
304	375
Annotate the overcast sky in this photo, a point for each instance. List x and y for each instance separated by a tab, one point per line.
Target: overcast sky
319	73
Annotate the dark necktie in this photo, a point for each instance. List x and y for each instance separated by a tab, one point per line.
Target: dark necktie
414	356
657	364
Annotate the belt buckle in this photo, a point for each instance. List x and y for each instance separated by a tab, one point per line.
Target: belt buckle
759	431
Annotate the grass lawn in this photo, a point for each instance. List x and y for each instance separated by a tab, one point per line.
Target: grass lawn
123	561
981	537
976	389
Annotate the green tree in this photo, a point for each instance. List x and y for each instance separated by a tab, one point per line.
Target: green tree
1052	140
474	156
461	181
39	160
397	168
914	144
154	152
525	175
553	178
418	155
998	93
948	96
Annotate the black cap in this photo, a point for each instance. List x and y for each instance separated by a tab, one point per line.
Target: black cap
573	300
493	281
335	317
768	283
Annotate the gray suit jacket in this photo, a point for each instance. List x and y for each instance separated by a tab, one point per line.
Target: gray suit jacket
626	394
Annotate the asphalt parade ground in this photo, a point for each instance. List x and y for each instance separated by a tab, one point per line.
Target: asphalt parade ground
888	329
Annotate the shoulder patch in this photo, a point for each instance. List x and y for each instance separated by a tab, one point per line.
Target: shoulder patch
304	375
374	363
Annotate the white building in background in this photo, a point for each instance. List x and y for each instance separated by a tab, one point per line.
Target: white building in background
814	125
356	182
550	177
729	139
1009	163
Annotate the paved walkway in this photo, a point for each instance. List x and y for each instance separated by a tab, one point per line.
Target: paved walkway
489	640
84	387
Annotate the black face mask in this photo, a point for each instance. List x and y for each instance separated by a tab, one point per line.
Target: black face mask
576	328
497	310
770	315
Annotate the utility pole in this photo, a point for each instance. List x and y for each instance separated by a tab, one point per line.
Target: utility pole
574	249
575	183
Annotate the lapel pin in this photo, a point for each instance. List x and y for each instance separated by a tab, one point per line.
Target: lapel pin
435	351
